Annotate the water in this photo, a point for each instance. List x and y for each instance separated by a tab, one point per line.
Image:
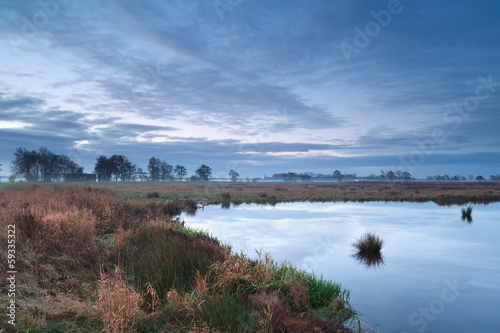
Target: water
440	274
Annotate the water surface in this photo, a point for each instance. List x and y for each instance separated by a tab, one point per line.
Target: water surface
440	274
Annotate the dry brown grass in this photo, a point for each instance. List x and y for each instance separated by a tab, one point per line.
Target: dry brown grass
119	303
69	237
440	192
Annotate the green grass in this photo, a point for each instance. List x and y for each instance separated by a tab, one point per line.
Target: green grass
5	185
227	312
164	260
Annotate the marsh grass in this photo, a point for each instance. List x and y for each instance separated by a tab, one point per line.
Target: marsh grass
369	243
226	312
169	277
119	303
163	259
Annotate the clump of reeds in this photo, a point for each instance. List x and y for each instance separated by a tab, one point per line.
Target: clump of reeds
369	243
467	214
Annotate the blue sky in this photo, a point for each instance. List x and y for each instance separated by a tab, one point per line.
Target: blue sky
256	86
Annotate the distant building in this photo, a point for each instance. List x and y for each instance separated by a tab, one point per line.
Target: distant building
80	177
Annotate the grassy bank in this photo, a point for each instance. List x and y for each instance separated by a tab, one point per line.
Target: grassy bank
88	260
442	193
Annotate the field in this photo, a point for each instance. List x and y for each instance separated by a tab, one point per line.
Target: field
88	260
442	193
114	257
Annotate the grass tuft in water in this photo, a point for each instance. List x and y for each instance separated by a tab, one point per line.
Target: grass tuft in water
369	243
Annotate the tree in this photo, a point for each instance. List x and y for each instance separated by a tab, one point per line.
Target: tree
337	174
290	177
143	175
42	165
121	167
399	174
66	166
46	161
180	171
24	164
390	175
480	178
166	171
204	172
406	175
117	163
233	175
154	168
104	168
305	177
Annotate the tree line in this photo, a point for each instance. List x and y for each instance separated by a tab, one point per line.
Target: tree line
43	165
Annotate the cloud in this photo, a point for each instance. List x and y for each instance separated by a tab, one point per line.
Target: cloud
268	85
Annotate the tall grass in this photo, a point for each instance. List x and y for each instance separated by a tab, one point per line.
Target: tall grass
226	312
170	277
119	303
163	259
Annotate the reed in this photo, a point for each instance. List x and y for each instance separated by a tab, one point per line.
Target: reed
369	243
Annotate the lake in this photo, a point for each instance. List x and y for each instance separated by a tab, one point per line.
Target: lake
440	273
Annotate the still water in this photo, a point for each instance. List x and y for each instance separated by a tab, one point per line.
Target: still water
440	273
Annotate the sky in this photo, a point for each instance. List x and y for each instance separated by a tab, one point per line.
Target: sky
258	86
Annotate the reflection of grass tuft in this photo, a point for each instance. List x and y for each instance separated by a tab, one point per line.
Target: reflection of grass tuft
467	214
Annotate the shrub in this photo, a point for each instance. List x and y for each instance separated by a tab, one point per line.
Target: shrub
152	195
226	196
